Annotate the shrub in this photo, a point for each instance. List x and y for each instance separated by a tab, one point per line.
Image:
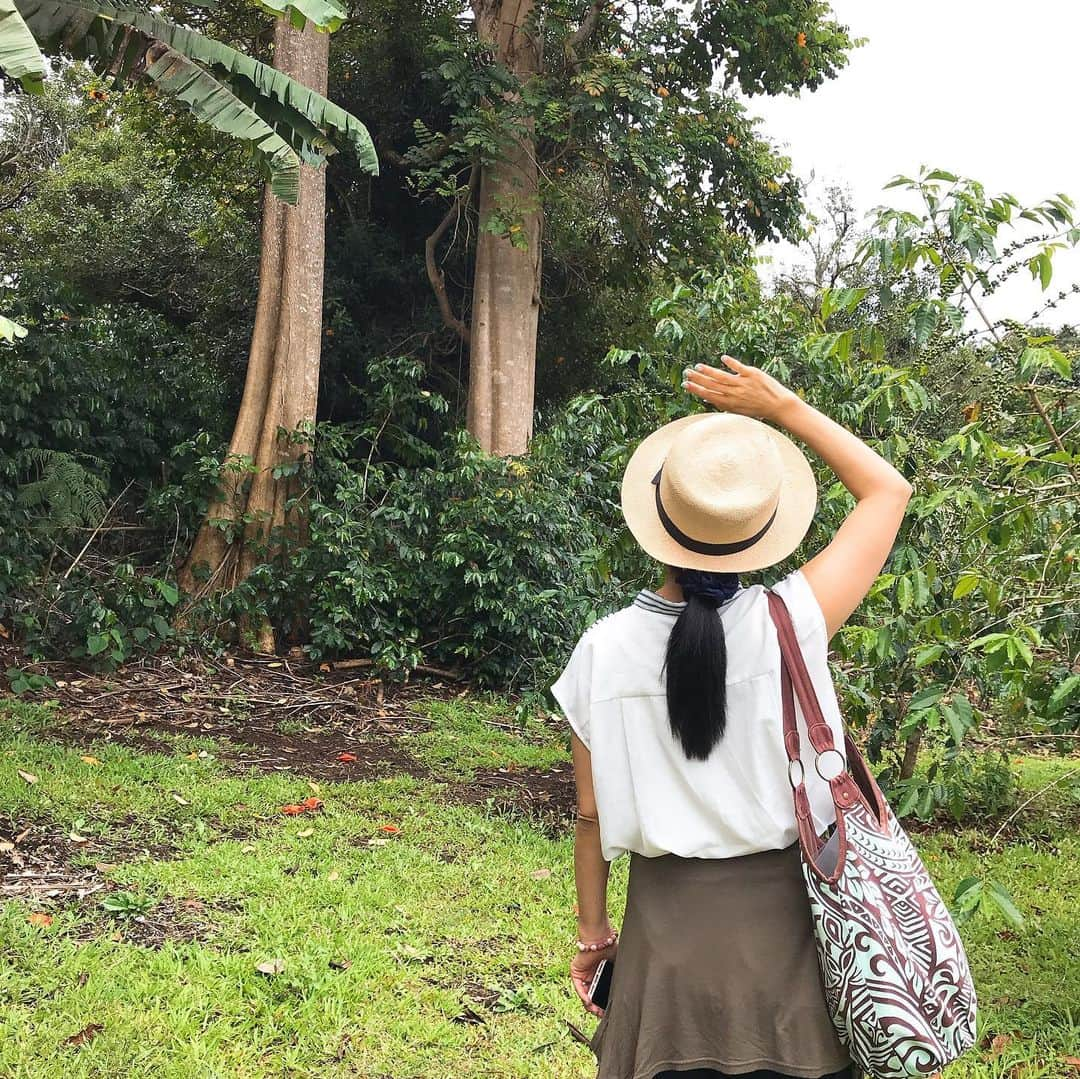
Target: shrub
446	555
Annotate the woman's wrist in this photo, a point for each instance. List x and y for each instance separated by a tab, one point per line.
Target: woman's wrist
786	409
590	933
597	942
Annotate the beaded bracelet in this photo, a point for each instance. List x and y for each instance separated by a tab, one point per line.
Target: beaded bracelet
600	944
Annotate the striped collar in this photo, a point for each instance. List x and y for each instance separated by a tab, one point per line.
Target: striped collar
648	600
651	601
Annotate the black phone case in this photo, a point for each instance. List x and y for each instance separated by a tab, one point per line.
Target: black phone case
602	985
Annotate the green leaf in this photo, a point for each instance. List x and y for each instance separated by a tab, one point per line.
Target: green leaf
1052	359
1004	901
1019	647
1061	362
216	106
907	802
928	655
925	698
967	583
954	722
966	887
168	592
325	14
921	587
20	57
925	322
1063	693
963	709
99	32
967	898
992	642
10	330
882	584
915	400
877	345
96	643
904	593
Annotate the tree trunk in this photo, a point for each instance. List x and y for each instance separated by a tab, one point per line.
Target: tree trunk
911	755
506	279
248	523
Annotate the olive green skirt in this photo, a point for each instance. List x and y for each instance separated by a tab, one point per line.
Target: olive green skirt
717	968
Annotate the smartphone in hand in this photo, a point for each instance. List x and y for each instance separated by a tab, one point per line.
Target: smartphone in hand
600	987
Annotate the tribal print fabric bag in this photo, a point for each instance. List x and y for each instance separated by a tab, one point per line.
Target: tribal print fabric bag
893	966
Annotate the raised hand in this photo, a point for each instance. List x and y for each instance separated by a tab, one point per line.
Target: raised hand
746	390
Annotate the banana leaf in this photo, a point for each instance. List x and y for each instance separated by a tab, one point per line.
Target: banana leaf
20	57
325	14
216	106
9	330
102	34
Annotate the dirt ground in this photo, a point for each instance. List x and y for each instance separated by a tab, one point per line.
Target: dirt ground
282	714
267	713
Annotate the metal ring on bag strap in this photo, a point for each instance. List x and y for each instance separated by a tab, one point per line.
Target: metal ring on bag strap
817	764
802	774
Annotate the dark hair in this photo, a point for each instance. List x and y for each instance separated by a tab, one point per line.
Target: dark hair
696	662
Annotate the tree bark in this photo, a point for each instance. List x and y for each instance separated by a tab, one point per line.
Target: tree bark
911	755
506	279
248	523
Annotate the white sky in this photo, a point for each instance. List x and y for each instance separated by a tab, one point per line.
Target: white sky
983	88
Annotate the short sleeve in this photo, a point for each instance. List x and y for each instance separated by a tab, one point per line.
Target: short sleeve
802	605
572	689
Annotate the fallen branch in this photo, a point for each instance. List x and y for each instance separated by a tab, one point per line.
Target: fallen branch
97	529
353	664
1012	816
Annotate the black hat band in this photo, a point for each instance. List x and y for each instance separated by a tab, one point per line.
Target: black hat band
699	546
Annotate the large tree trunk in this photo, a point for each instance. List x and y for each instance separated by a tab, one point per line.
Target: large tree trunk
506	280
281	387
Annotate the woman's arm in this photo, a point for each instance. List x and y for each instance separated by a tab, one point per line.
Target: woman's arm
842	573
591	877
590	868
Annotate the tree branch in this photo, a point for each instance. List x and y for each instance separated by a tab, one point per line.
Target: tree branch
584	31
435	275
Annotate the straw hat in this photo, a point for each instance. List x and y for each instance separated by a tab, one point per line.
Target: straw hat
719	492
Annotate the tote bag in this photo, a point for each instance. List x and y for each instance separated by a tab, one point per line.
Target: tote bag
893	967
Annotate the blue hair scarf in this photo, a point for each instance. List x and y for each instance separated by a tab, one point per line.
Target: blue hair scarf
714	588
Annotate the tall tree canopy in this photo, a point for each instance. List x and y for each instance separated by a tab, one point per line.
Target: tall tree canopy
608	135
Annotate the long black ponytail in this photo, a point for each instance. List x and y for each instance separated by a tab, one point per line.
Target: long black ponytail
696	662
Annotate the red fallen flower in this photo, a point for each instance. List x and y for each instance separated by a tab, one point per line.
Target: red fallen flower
292	810
311	804
346	758
393	828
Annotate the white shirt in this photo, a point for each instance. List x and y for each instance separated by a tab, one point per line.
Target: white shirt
653	799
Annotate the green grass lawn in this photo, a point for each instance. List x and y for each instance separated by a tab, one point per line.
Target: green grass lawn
401	934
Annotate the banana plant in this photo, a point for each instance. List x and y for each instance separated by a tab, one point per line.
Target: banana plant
20	57
10	330
283	121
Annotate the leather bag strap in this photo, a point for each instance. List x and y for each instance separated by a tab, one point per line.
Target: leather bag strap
795	682
794	674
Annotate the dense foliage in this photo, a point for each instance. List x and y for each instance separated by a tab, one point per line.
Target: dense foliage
975	619
131	239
